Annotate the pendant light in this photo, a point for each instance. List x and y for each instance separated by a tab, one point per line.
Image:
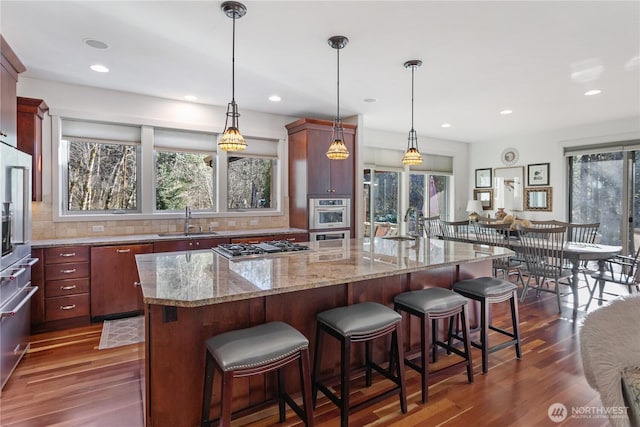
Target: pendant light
412	156
337	149
232	139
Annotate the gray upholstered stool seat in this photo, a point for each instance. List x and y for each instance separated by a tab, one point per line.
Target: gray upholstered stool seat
430	300
253	351
491	290
359	319
361	322
255	346
484	286
430	305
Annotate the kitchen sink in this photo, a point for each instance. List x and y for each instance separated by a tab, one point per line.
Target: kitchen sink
190	234
399	238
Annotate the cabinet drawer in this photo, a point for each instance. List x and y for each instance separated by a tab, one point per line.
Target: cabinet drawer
66	271
57	288
66	254
66	307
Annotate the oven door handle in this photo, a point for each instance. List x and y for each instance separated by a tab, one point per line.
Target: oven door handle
15	274
326	209
30	262
24	301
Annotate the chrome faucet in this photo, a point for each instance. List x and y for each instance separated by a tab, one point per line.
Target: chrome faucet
418	226
187	217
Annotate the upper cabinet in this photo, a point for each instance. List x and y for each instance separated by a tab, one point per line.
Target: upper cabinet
311	173
30	114
10	67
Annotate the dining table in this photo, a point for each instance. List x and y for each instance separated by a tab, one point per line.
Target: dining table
575	253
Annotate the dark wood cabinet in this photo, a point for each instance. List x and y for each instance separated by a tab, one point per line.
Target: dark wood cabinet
65	286
311	173
30	115
189	244
10	67
297	237
114	279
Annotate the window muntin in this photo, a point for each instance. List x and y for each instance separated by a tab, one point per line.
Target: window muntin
250	182
184	179
101	176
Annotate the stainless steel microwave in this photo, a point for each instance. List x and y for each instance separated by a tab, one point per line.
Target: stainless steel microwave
329	214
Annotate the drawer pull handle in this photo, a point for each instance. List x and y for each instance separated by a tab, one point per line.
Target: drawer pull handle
73	270
67	288
123	251
67	307
136	284
68	254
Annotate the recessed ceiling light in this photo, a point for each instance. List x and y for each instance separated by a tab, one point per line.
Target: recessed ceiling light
592	92
506	112
99	68
190	97
446	125
370	100
275	98
96	44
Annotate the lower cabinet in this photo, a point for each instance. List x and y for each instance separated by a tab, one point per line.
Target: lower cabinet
189	244
114	280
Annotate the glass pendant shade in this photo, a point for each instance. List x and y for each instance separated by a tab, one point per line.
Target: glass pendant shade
412	155
338	150
232	139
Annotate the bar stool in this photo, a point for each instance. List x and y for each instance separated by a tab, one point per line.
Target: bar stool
491	290
361	322
254	351
430	305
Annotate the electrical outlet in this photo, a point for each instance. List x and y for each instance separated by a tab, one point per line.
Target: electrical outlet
253	222
97	228
231	223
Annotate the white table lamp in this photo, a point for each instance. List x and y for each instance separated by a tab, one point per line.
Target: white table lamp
474	207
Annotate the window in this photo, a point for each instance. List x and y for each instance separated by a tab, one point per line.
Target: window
184	179
101	176
250	182
429	194
107	168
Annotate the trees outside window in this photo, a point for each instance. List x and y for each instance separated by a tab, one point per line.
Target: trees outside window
101	176
184	179
250	182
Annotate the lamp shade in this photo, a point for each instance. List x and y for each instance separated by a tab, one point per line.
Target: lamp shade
474	206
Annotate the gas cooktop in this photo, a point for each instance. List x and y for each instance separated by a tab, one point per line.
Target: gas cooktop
236	250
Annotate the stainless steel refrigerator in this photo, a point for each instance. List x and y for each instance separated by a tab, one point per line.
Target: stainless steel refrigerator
15	264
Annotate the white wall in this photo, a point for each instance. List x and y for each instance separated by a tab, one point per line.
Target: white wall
548	147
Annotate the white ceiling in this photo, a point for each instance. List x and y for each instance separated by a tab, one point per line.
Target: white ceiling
535	58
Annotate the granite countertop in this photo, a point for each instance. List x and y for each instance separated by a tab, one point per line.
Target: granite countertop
203	277
156	237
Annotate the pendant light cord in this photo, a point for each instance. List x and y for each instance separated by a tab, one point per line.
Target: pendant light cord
412	71
338	87
233	62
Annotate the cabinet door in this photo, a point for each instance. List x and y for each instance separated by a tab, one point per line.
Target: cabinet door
8	108
252	239
172	245
319	167
342	172
114	275
209	243
297	237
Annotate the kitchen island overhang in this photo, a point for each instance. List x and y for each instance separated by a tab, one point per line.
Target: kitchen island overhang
191	296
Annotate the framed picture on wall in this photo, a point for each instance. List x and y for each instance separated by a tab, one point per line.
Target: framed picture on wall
508	188
485	197
538	174
483	178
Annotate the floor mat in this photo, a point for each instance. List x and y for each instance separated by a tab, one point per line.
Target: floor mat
116	333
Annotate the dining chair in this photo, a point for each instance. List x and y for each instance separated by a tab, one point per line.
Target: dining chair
543	250
549	223
584	233
493	234
622	270
433	227
455	230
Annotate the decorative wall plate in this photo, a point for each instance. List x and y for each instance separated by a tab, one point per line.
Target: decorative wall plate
509	156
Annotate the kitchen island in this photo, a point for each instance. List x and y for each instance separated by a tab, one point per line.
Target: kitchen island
191	296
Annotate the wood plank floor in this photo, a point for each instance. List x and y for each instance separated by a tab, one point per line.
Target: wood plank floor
66	381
